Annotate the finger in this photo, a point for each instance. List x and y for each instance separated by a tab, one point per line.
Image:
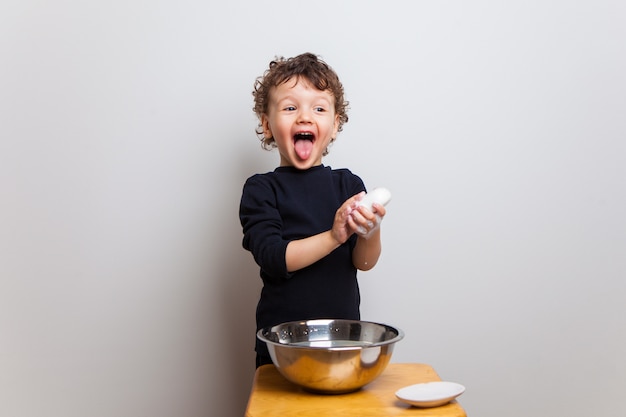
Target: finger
379	209
365	213
358	216
355	227
354	200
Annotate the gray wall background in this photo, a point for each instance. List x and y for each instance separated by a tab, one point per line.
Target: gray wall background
127	132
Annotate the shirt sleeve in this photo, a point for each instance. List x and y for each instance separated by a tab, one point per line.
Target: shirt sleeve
262	229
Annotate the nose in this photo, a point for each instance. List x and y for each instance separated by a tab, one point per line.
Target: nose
304	116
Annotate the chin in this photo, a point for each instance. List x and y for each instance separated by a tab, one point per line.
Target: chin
303	165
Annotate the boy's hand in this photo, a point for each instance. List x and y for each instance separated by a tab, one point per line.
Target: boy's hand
352	218
343	225
365	222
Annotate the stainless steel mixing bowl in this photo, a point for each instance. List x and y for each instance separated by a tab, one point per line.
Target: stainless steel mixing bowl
330	356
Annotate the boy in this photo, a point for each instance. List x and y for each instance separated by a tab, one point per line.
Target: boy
302	222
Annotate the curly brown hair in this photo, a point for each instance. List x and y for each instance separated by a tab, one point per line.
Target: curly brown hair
281	70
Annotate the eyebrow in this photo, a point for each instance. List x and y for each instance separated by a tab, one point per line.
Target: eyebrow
290	97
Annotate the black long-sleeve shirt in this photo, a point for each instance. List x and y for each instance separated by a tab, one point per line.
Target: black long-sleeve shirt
288	204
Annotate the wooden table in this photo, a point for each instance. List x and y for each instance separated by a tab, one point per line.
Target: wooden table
272	395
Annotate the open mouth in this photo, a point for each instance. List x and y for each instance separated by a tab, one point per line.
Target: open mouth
303	142
303	136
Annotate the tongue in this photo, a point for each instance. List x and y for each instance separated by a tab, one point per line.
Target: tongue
303	148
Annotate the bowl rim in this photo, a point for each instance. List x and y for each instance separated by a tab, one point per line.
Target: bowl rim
399	336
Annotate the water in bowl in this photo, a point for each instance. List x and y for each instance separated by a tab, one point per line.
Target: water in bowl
332	343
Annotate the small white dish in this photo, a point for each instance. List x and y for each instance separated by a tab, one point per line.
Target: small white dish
430	394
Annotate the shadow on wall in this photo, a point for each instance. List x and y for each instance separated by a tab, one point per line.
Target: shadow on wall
239	288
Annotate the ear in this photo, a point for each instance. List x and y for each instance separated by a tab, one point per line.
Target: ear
267	131
336	126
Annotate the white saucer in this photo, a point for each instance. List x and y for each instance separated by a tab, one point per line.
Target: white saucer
430	394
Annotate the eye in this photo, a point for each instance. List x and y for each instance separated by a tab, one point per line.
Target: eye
320	109
290	108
